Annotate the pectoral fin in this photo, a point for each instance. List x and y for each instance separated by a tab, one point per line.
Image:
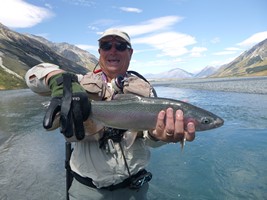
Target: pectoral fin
182	143
129	138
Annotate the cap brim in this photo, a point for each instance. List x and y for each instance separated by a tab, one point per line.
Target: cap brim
115	32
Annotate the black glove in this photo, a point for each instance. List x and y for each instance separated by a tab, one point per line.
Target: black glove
71	101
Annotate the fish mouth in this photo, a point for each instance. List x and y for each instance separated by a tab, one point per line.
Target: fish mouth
218	122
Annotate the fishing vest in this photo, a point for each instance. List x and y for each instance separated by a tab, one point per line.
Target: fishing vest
98	89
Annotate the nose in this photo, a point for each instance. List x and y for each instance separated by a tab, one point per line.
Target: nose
113	48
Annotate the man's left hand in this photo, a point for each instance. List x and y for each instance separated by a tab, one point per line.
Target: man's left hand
170	127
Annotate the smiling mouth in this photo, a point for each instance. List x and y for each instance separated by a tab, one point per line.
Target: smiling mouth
113	61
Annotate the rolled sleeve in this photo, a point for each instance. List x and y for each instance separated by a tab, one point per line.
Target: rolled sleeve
35	77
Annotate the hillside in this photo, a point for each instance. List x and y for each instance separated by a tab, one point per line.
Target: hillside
171	74
250	63
206	72
20	52
72	52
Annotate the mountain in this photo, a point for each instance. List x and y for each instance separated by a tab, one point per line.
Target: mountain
206	72
176	73
250	63
20	52
72	52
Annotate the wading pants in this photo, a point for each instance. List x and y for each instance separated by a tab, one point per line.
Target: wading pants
79	191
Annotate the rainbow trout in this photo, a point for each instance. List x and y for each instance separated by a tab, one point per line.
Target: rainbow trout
137	113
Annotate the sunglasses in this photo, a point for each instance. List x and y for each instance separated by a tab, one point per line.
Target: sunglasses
119	46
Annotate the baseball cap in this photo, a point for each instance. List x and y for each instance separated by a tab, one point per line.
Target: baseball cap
116	32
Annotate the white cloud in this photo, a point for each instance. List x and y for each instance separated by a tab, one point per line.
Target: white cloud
127	9
227	51
224	53
20	14
197	51
232	49
254	39
86	3
94	26
156	24
49	6
156	33
169	43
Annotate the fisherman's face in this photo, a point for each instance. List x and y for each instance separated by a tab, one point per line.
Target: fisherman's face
115	56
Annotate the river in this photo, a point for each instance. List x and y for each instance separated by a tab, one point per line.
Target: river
225	163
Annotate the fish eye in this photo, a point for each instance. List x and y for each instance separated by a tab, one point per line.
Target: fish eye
205	120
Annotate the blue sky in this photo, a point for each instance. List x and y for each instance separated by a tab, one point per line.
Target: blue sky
166	34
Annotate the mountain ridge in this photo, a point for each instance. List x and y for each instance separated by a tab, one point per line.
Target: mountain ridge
20	52
252	62
175	72
74	53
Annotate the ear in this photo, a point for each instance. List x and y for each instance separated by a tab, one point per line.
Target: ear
99	51
131	52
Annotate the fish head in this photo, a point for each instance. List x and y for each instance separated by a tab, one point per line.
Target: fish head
210	122
204	120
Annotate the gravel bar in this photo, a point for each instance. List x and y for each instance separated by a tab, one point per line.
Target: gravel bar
255	85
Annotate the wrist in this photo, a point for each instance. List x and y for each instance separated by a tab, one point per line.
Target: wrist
151	135
53	73
56	89
62	79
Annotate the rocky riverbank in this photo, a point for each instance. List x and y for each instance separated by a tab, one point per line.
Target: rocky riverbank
256	85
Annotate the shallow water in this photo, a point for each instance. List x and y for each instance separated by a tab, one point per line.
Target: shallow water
31	159
224	163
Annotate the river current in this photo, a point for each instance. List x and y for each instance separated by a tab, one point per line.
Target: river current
225	163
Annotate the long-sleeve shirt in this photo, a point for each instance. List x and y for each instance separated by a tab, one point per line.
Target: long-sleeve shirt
105	168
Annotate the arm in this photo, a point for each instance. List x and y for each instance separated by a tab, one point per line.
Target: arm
37	77
69	99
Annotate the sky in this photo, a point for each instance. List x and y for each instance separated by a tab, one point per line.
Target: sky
165	34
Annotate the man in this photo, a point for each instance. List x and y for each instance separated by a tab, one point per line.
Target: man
103	164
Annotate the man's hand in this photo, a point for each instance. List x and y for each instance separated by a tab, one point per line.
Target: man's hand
70	100
170	128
